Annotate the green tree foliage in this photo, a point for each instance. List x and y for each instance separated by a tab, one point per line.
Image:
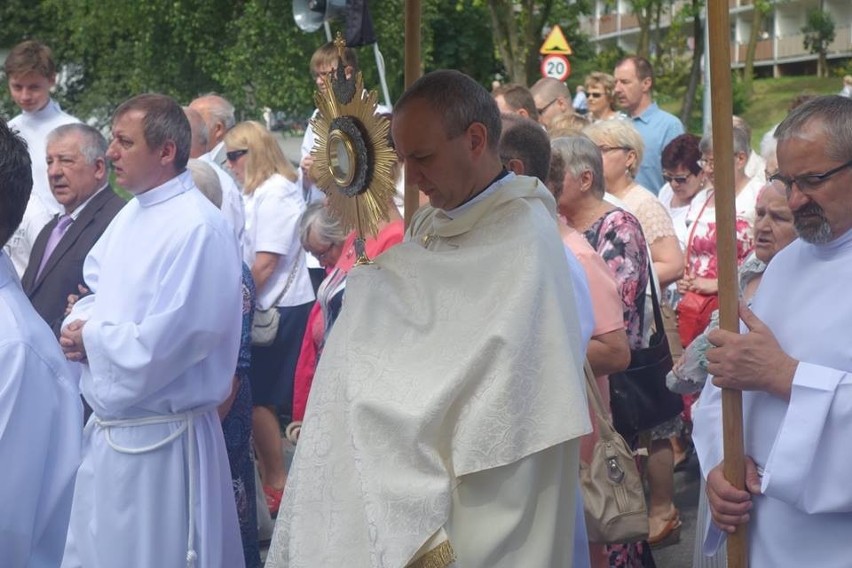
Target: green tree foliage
518	32
819	33
251	51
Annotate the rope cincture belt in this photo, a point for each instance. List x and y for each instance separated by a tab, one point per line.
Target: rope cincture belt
187	424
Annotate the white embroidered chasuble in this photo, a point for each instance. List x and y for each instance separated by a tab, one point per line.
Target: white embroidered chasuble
454	369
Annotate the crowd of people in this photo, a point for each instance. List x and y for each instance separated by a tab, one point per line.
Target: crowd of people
157	349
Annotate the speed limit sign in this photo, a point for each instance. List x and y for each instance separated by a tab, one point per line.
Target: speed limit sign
555	66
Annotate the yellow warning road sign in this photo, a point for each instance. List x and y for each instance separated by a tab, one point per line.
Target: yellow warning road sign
555	43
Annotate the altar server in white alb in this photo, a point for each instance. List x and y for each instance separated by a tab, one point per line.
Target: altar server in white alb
158	339
444	420
40	410
31	72
793	363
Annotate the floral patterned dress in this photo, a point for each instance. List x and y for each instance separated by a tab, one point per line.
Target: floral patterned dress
618	238
702	260
237	430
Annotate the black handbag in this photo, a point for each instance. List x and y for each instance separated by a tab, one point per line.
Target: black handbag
638	395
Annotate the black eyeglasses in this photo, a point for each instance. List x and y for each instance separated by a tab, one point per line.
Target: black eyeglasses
235	155
677	179
606	149
547	106
807	182
595	95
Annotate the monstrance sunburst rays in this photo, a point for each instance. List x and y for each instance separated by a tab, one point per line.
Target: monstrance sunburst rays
353	160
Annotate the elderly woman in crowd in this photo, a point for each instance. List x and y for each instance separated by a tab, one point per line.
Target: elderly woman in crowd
622	148
576	177
273	204
599	97
235	412
700	275
684	180
321	236
773	230
745	188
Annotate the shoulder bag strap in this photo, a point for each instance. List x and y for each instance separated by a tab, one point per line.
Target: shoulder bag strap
692	229
296	264
603	415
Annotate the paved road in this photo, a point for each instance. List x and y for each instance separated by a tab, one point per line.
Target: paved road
687	485
291	146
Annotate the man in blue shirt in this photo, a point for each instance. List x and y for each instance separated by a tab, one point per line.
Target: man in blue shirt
634	80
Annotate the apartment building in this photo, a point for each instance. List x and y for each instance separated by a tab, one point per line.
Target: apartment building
780	49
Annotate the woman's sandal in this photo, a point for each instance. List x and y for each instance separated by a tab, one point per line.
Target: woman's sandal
670	533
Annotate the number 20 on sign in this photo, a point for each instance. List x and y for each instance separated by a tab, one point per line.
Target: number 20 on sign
555	66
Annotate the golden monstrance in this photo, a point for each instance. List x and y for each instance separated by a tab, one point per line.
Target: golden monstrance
353	159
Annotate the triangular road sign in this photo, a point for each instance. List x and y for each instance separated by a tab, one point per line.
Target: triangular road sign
555	43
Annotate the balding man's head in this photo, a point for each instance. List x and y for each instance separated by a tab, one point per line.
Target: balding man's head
200	137
218	115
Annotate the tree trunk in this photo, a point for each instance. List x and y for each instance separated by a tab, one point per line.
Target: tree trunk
644	9
759	13
532	33
506	37
695	71
658	16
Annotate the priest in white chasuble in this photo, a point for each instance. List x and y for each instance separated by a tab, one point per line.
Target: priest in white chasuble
158	341
40	409
444	421
793	362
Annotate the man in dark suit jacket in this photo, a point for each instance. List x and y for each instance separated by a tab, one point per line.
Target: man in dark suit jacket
77	171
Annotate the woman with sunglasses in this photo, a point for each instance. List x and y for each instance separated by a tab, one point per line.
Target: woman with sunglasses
700	274
684	180
273	203
599	97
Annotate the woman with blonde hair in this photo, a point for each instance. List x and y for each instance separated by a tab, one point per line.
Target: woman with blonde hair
273	204
599	97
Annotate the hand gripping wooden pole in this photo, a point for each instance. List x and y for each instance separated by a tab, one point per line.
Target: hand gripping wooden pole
723	181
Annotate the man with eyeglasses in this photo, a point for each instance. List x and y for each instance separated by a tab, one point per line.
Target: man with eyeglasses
552	99
634	82
793	363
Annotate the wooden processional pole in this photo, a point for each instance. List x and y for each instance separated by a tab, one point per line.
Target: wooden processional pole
721	104
412	72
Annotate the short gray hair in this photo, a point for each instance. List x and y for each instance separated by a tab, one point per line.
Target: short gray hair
741	143
318	219
206	180
459	99
575	154
833	113
93	145
220	109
